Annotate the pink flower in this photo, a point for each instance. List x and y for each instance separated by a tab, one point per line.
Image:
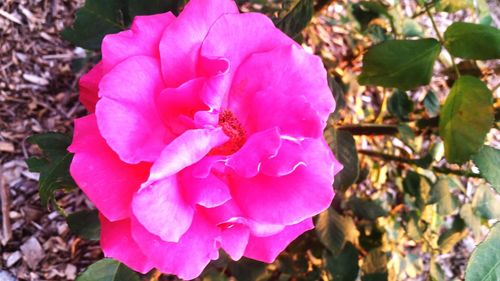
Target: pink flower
205	133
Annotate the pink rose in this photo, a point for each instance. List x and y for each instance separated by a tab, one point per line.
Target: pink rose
205	133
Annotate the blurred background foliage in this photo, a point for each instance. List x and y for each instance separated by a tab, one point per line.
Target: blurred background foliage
416	128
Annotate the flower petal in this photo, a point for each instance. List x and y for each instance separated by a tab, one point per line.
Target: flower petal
302	100
282	200
266	249
117	242
89	87
259	147
234	240
208	192
162	210
186	150
179	46
106	180
142	39
127	114
189	256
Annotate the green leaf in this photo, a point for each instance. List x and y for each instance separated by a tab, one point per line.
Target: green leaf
375	263
108	270
400	105
85	224
472	41
296	17
53	166
484	263
344	266
488	162
452	236
470	218
365	208
338	95
334	230
94	20
442	194
485	203
344	149
466	117
403	64
151	7
247	269
411	28
431	103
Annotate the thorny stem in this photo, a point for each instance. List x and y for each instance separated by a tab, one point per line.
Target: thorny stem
440	38
441	170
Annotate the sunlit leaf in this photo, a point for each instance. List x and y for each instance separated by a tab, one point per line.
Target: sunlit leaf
335	230
452	236
442	195
461	126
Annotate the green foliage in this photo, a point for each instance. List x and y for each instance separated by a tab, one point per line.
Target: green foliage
484	263
95	20
403	64
488	161
431	103
400	105
108	270
150	7
335	230
344	148
472	41
461	127
53	166
344	266
85	224
296	16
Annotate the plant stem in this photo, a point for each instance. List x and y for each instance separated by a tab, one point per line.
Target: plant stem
440	38
370	129
441	170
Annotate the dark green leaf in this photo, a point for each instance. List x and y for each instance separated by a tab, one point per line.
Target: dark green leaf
375	262
472	41
53	166
344	266
296	17
403	64
411	184
344	148
383	276
431	103
484	263
488	162
151	7
365	208
411	28
85	224
400	105
452	236
94	20
465	119
338	95
335	230
108	270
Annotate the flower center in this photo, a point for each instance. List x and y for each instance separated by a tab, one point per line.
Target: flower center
232	127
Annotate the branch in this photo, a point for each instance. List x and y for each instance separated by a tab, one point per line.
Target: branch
369	129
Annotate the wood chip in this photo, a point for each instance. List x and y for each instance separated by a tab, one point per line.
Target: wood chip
6	146
32	252
35	79
10	17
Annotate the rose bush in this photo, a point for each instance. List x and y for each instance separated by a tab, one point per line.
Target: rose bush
204	132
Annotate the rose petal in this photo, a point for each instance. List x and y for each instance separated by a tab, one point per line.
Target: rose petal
297	82
106	180
142	39
89	87
117	242
162	210
127	114
259	147
287	160
181	41
282	200
234	240
186	150
266	249
208	192
189	256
